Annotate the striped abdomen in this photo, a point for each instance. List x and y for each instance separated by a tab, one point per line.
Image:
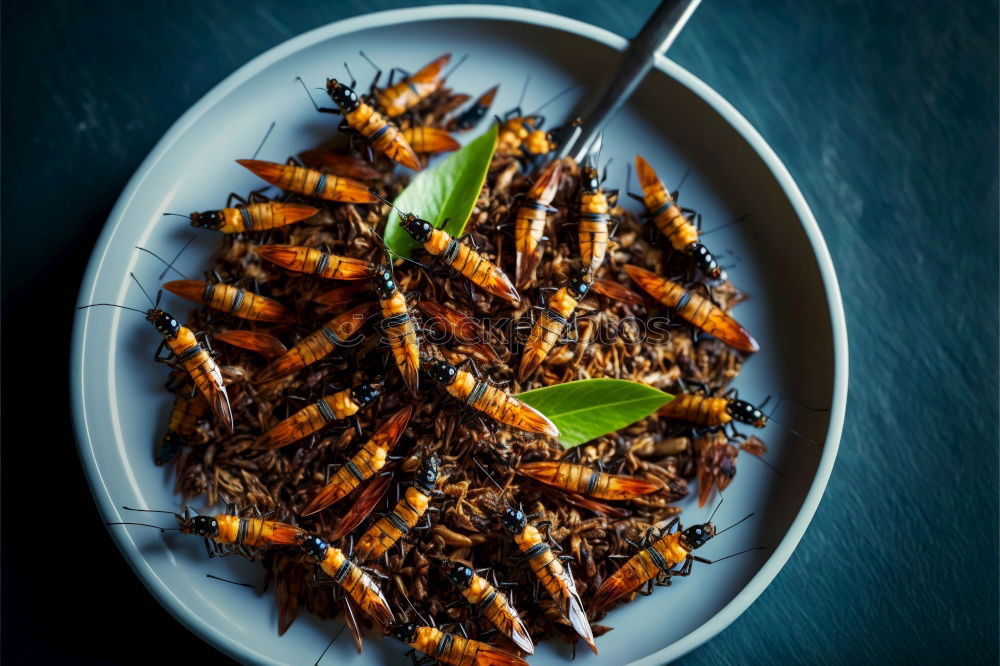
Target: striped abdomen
311	182
494	606
317	344
364	465
587	480
390	528
403	96
263	216
313	261
186	414
593	217
546	332
499	405
359	585
255	531
204	372
382	135
227	298
694	308
308	420
401	334
476	268
663	554
700	409
456	650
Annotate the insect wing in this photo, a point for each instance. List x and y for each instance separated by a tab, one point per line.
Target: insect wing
368	499
262	343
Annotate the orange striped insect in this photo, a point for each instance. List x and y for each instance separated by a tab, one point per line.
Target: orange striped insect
521	135
380	133
338	332
548	568
229	533
713	411
552	322
313	261
366	463
340	164
471	117
488	602
398	98
351	578
529	224
310	182
250	218
694	308
660	550
669	218
452	649
396	524
397	324
233	300
186	351
465	261
334	407
430	140
186	414
587	481
593	215
490	400
262	343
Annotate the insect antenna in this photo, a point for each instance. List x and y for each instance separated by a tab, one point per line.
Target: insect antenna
456	66
309	94
681	183
369	61
128	508
490	477
160	293
330	644
169	265
769	465
811	441
187	217
524	91
552	99
415	611
226	580
162	529
721	500
114	305
353	80
739	553
747	517
781	397
262	142
739	219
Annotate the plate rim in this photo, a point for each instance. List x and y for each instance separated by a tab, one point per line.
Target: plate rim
486	12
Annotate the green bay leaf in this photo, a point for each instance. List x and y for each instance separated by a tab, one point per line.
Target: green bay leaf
589	408
447	191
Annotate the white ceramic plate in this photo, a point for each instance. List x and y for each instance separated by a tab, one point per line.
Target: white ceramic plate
674	120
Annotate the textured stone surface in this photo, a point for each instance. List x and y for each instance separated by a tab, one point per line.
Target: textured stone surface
885	112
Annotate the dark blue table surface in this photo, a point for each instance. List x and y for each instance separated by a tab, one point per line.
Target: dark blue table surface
884	111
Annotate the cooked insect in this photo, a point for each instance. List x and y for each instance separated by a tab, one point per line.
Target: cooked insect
366	463
399	97
373	493
694	308
490	400
397	324
548	568
489	603
466	261
588	481
471	117
714	411
334	407
552	322
396	524
670	220
310	182
338	332
377	130
530	219
264	344
453	649
229	533
430	140
340	164
227	298
187	352
593	216
351	578
316	262
250	217
187	412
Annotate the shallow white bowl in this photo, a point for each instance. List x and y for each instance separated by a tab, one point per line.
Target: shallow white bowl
674	120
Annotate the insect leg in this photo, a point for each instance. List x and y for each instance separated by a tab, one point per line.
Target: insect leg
235	197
